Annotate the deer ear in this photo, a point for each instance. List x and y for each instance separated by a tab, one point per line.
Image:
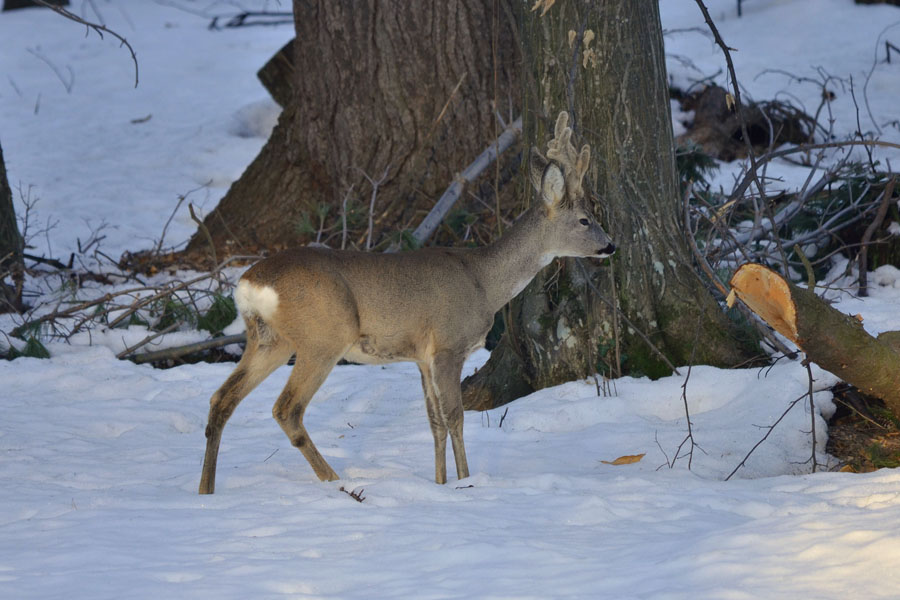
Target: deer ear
553	185
536	165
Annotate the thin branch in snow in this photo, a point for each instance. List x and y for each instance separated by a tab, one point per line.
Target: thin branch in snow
68	82
769	431
812	414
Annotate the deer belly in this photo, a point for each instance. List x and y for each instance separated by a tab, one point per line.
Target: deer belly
369	351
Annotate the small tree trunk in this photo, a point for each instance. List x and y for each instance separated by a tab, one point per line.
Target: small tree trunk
604	62
10	247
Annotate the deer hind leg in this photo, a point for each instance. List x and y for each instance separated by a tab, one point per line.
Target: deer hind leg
445	412
264	353
310	371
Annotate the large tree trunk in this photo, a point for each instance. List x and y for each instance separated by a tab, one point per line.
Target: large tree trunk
604	61
10	247
380	87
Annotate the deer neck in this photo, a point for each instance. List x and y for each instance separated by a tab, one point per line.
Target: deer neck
510	263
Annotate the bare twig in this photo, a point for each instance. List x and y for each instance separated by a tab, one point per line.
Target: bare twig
249	17
714	279
375	184
181	199
812	414
99	29
127	311
887	51
863	257
810	274
441	114
344	218
433	219
687	411
871	72
770	428
621	313
202	227
356	495
69	82
738	103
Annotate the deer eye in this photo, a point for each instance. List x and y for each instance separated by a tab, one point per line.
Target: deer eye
584	222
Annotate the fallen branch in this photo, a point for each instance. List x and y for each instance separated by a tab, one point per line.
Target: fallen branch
145	341
835	341
250	17
171	353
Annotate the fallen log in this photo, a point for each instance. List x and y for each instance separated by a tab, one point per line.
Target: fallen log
833	340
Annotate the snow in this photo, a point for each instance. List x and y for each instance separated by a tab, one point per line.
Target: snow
110	154
100	458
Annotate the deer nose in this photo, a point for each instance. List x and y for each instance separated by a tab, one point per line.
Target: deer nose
609	250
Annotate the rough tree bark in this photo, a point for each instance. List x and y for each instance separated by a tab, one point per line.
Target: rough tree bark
604	61
10	247
379	86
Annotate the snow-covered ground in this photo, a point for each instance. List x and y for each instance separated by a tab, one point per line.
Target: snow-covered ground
100	458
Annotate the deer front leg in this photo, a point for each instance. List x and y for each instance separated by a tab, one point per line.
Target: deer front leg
446	406
436	421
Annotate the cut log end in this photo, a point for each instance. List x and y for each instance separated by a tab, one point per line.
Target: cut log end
769	296
833	340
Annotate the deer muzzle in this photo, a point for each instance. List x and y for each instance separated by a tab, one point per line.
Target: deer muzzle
608	251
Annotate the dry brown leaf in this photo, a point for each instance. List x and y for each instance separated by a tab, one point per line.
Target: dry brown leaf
848	469
628	459
729	101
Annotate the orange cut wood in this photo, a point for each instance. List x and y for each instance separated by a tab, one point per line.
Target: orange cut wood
769	296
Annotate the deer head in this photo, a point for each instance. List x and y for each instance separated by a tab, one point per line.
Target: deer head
558	180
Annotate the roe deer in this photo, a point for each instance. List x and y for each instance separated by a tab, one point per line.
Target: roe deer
432	306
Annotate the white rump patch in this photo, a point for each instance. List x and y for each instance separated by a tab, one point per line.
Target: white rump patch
254	299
